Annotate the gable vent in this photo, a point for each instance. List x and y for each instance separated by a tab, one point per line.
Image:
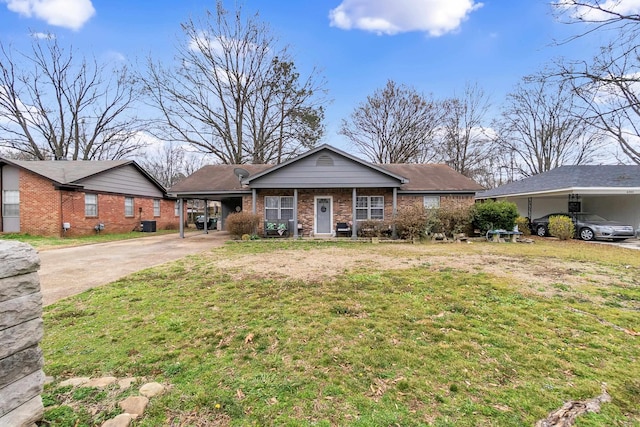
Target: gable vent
324	160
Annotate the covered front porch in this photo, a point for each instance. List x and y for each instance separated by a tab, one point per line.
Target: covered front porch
322	212
299	212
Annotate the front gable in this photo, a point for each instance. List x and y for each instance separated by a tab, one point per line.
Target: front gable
325	167
126	179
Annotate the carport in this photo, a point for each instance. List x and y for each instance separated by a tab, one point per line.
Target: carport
611	191
220	184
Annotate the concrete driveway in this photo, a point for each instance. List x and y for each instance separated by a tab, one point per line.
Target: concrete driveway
69	271
629	243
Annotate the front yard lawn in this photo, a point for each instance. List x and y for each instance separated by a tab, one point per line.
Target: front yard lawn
327	334
48	242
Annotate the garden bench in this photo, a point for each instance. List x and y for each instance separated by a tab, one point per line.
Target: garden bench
343	228
276	228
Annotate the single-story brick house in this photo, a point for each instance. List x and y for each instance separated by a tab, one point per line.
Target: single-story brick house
611	191
323	187
55	198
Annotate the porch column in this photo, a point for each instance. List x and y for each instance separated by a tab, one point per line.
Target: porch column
181	215
253	200
354	224
295	213
394	234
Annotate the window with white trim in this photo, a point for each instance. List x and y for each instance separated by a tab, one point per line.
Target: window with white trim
156	207
431	202
176	210
369	207
278	207
90	205
11	203
128	206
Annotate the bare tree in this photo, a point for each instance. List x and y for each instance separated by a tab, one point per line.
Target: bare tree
609	83
167	164
394	125
54	105
610	89
465	144
617	15
539	130
284	118
234	93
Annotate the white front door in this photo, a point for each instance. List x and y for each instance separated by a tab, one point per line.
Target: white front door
323	215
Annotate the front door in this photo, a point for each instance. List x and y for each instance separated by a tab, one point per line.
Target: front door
323	215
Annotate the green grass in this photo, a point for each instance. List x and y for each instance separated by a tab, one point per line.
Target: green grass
372	347
42	242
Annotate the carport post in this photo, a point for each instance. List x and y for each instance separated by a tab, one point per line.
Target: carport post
181	213
206	216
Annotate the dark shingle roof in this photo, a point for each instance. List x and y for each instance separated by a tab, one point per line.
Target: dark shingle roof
215	178
422	177
566	177
432	177
414	177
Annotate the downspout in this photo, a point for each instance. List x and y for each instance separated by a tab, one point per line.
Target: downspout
394	233
354	223
295	213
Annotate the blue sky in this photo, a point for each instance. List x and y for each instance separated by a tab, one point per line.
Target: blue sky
436	46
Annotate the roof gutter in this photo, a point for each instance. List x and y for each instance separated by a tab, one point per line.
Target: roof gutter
436	191
566	191
201	194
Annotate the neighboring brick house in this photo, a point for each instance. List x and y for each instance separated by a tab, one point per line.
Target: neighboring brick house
55	198
325	186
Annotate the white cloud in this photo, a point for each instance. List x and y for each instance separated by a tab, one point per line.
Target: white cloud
114	56
44	36
608	93
71	14
205	43
593	14
435	17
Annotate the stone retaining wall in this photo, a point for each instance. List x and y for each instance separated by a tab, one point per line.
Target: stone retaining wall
21	361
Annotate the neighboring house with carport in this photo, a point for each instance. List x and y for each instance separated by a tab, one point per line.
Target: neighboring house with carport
54	198
326	186
611	191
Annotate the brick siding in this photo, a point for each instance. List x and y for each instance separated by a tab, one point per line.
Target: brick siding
43	210
450	200
342	203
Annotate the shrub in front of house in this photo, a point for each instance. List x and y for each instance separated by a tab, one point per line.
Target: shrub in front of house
374	228
523	225
411	222
241	223
562	227
434	225
492	215
454	219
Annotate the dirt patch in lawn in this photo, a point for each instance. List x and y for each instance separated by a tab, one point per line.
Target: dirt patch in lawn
536	275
